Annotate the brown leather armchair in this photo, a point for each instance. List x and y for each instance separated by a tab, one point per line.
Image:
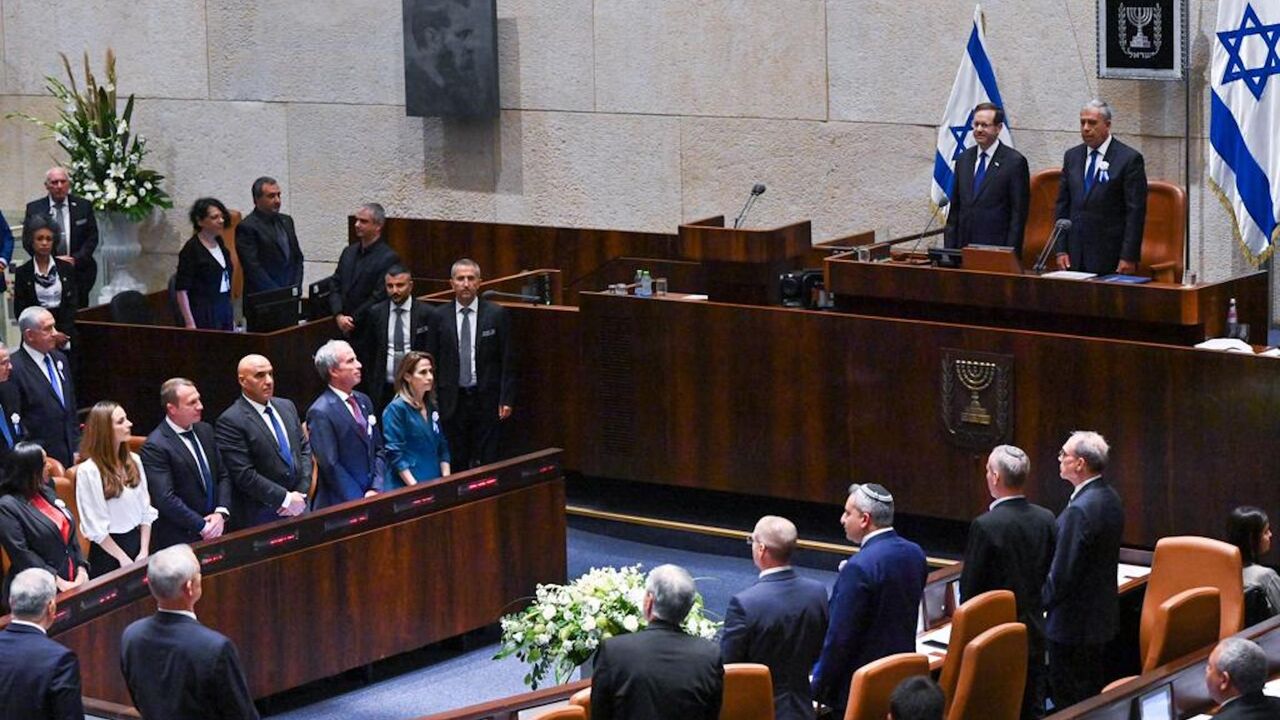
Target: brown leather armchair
1183	563
993	675
582	699
1183	624
1162	234
976	616
874	682
568	712
748	692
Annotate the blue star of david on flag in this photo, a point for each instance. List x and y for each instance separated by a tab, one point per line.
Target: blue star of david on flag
975	83
1233	41
1244	123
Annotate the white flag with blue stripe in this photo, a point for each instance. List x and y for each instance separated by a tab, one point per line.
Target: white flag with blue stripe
1244	121
975	83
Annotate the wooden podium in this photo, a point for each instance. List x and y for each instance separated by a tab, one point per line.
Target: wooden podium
744	264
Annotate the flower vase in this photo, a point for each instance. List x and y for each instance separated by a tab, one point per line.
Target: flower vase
118	247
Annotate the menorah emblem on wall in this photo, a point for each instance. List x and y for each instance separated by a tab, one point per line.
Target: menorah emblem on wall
1140	17
977	397
976	376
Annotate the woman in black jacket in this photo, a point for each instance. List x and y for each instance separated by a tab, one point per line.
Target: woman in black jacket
45	280
36	528
203	282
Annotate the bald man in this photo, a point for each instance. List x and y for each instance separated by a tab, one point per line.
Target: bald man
261	442
79	229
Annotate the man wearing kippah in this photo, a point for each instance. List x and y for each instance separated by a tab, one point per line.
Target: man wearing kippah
876	597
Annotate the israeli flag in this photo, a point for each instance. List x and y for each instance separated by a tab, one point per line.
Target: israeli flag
1244	122
975	83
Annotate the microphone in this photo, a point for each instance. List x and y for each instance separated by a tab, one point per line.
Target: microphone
932	217
756	191
1059	228
491	294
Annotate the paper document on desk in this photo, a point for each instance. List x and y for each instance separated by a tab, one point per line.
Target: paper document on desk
1126	572
1069	275
1226	345
935	638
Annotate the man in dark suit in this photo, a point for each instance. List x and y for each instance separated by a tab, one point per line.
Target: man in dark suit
346	442
46	397
1103	191
10	405
476	395
261	442
40	677
876	598
1080	594
174	666
1010	548
780	621
390	329
1235	675
267	244
359	282
660	672
74	216
189	484
992	188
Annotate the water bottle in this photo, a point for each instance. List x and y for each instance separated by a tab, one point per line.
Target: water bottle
1233	319
646	285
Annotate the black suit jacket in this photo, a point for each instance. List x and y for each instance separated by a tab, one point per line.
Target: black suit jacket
47	421
198	273
177	489
997	213
780	622
1254	706
371	343
32	541
82	238
360	280
1106	222
1080	595
259	476
24	293
177	668
40	677
495	365
10	408
657	673
261	257
1011	548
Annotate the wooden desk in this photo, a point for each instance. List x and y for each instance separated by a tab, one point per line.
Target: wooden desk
1151	312
313	596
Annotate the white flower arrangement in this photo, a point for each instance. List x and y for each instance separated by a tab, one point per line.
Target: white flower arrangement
104	166
564	625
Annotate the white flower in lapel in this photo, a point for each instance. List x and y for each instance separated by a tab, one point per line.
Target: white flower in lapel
373	420
60	504
15	419
59	364
1103	167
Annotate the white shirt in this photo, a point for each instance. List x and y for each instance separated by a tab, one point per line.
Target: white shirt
997	501
39	357
99	516
49	297
192	452
221	259
474	315
342	395
773	570
991	154
391	335
261	411
15	621
186	613
1102	155
874	533
1080	487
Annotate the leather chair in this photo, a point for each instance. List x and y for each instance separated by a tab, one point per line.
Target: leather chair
229	239
748	692
1163	231
568	712
1186	562
974	617
582	699
993	675
1183	624
874	682
136	442
65	487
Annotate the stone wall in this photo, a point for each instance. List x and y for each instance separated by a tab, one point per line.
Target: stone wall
634	114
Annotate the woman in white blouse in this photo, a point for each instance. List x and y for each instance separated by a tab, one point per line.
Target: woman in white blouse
111	489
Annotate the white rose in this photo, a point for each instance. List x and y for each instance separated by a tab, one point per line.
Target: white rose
631	623
548	612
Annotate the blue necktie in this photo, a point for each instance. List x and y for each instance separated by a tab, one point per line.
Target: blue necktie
205	475
1089	174
53	380
4	427
281	443
981	174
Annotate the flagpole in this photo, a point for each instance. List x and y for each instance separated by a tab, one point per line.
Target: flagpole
1186	133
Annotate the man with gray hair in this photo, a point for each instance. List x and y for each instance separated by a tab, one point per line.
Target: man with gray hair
1010	548
1235	675
780	621
876	598
10	406
1080	595
40	677
660	672
358	281
46	395
79	236
174	666
1103	192
346	442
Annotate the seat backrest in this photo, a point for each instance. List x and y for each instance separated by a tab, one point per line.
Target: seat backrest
65	487
568	712
993	675
130	307
748	692
1163	232
1186	562
977	615
229	239
874	682
582	699
1257	607
1183	624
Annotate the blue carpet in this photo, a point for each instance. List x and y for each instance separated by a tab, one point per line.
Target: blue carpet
459	679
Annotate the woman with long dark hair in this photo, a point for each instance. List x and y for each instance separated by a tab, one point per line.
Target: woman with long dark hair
1249	529
36	529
